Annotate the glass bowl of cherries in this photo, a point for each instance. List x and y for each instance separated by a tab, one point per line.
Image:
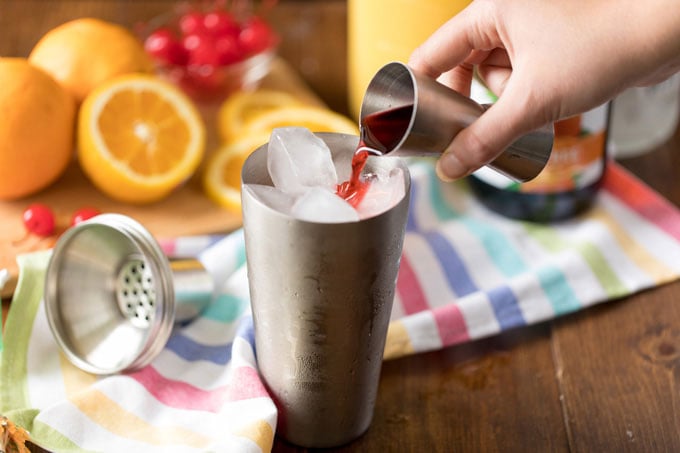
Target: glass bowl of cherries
211	50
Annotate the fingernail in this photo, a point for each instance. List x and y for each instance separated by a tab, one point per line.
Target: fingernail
440	174
449	167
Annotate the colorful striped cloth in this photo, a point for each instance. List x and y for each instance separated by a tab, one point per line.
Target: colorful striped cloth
465	274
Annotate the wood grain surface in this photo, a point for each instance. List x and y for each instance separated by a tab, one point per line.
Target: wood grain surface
606	379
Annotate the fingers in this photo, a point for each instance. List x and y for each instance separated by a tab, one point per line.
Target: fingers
496	70
450	45
467	40
458	79
482	141
472	148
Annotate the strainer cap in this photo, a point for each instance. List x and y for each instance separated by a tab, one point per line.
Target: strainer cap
109	295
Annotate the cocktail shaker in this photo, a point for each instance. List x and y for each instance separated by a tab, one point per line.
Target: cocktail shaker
321	297
436	114
112	297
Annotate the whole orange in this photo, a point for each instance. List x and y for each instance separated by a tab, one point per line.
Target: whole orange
83	53
36	131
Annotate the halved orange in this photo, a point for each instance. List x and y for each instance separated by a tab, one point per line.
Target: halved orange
139	138
222	176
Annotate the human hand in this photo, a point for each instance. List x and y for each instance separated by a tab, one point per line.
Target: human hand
546	61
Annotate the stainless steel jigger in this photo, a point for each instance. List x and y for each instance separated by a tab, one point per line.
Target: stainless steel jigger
112	297
439	113
321	295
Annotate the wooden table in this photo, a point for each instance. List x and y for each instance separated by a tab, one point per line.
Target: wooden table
606	379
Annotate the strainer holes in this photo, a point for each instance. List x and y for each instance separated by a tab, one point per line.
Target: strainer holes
136	292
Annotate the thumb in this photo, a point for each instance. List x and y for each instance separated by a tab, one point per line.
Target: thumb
486	138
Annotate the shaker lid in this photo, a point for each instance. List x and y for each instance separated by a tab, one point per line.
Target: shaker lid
108	296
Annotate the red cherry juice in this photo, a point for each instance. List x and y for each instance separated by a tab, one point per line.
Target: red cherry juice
380	133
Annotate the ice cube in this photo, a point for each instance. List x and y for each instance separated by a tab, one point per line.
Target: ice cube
386	190
272	197
297	160
323	206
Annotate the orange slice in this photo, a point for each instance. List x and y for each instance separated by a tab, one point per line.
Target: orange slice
139	138
316	119
222	176
243	106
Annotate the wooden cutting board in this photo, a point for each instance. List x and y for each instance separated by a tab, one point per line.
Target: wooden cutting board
185	212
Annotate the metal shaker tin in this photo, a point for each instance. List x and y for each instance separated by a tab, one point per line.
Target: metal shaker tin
110	295
321	296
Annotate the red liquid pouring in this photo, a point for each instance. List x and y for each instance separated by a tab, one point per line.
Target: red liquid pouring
354	189
380	132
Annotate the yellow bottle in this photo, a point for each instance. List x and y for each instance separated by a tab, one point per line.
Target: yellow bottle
380	31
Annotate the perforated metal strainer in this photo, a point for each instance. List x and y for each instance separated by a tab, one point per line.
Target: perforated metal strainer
112	296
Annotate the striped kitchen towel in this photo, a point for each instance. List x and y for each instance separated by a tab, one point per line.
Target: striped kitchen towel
465	273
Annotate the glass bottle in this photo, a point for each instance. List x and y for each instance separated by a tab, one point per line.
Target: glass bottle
644	118
381	31
567	185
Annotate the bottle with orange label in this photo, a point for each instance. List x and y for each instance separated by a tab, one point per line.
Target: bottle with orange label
567	185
